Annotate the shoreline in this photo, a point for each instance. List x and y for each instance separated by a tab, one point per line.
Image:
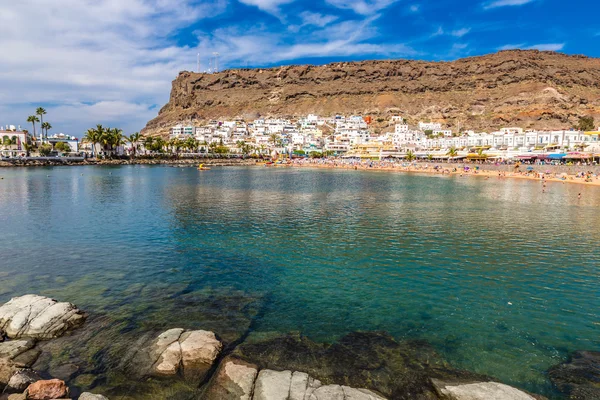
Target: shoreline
501	172
448	169
225	162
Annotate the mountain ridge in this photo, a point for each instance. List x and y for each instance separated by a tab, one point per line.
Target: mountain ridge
525	88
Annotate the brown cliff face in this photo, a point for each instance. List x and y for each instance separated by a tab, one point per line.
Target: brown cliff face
529	89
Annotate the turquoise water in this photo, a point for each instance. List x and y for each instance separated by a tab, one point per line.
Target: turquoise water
500	277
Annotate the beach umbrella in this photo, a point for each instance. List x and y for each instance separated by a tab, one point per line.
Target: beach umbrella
529	168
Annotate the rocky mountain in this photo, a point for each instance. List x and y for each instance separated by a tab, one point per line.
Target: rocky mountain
529	89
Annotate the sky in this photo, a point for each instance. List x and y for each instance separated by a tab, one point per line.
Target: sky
113	61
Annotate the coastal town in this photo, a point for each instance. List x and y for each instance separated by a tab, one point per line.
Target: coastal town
315	136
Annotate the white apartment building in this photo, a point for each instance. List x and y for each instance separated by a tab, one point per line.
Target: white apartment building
401	128
430	126
397	119
443	132
183	130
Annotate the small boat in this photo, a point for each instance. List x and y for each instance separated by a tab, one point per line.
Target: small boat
201	167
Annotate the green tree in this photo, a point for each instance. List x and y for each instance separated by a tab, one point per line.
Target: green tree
63	147
134	139
410	156
586	123
428	132
452	152
45	149
94	136
27	147
33	119
46	126
41	112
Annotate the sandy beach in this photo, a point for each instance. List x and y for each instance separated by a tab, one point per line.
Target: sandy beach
459	169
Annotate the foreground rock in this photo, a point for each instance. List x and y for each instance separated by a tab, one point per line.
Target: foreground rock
38	317
191	353
234	380
481	391
48	390
21	381
579	377
371	360
238	380
14	355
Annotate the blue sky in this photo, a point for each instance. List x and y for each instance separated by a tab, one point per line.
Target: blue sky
112	61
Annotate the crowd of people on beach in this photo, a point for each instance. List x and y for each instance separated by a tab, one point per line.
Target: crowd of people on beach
501	170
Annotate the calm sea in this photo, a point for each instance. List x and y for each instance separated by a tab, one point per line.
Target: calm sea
500	277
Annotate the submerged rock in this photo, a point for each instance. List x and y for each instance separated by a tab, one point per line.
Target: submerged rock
91	396
579	376
481	391
48	390
191	353
21	381
10	358
369	360
38	317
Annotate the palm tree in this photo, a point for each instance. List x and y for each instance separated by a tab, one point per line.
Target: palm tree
452	152
134	138
410	156
27	147
114	139
41	112
33	119
94	136
429	157
46	126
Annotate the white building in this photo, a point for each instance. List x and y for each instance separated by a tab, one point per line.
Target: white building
430	126
183	131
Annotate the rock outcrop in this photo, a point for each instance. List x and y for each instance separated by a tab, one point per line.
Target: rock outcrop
238	380
234	380
481	391
530	89
38	317
579	377
191	353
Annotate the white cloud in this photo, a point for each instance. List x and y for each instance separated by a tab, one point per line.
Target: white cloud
260	46
505	3
460	32
270	6
415	8
362	7
547	47
316	19
88	62
541	47
511	47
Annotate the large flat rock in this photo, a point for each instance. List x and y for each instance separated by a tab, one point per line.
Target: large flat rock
191	353
234	380
481	391
38	317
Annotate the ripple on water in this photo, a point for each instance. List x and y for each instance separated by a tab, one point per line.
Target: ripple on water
501	278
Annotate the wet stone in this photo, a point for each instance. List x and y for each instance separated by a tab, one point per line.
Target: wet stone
579	376
38	317
370	360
